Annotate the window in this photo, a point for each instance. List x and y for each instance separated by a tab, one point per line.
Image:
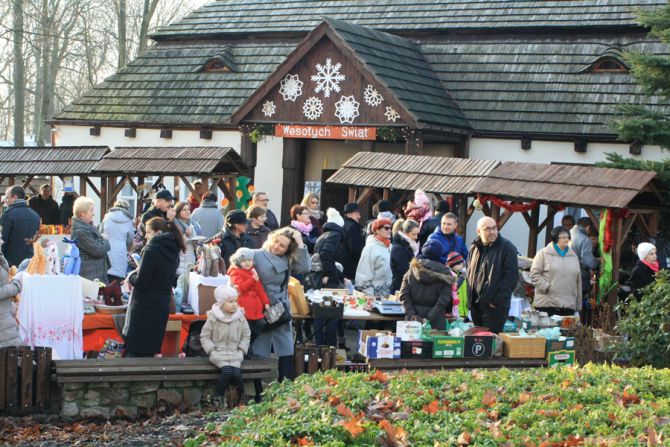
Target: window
609	65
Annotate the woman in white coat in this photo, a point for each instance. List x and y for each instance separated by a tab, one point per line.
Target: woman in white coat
373	275
117	227
556	275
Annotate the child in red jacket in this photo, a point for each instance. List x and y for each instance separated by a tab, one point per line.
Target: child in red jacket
252	297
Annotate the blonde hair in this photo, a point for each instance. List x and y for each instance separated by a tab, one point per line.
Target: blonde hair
81	205
309	196
291	251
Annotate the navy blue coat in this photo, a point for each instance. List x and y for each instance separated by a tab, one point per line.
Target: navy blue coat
18	224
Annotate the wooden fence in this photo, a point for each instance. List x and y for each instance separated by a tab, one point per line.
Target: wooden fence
25	376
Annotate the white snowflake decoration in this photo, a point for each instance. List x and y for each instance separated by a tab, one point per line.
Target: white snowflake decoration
328	77
291	87
269	108
372	97
391	114
346	109
313	108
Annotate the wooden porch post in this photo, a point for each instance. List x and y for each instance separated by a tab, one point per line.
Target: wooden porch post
533	224
413	141
82	186
352	194
248	150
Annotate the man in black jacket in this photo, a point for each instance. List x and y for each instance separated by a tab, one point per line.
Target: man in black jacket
493	271
234	235
45	205
19	224
354	240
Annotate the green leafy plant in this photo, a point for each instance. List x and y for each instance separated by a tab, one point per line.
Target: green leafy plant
390	134
593	405
646	323
260	131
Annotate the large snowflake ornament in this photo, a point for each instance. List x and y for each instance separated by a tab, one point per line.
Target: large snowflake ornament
291	87
269	108
372	97
346	109
391	114
328	78
313	108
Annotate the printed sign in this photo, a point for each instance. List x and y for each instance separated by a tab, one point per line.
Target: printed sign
325	132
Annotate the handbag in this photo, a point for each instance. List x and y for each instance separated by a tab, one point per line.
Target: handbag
278	313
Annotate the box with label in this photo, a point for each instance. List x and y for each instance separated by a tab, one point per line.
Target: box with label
561	345
445	347
379	345
416	349
561	358
478	346
408	330
522	324
205	298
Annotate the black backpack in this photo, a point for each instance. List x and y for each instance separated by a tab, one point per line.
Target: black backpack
192	346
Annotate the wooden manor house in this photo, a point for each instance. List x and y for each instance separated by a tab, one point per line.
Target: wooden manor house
300	86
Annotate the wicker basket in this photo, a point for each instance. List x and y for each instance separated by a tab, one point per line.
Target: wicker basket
516	347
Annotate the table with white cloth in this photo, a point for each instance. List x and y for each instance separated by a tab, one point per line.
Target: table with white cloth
51	313
194	280
517	306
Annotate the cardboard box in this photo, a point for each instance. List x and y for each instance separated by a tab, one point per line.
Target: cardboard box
516	347
561	358
478	346
522	324
445	347
416	349
561	345
205	298
379	345
408	330
296	294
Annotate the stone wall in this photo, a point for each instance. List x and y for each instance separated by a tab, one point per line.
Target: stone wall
128	399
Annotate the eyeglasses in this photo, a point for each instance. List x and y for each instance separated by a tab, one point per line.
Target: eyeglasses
564	237
386	227
490	229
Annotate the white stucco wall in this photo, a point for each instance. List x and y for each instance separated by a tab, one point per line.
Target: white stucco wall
269	171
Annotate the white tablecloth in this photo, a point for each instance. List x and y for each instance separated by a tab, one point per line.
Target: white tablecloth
51	313
194	280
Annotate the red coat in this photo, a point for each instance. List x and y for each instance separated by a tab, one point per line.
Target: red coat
193	201
252	297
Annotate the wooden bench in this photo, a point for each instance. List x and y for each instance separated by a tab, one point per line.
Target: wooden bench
154	369
465	363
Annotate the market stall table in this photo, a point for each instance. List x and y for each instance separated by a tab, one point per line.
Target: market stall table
99	327
455	363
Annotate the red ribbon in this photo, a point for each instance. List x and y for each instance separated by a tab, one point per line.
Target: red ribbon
509	206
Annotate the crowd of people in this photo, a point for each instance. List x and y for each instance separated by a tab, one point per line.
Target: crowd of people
415	253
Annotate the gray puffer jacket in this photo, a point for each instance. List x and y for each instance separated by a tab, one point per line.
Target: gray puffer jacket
93	249
9	329
118	227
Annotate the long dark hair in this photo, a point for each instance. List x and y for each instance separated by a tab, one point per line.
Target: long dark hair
166	226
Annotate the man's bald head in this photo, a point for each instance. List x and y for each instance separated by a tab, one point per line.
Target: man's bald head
487	229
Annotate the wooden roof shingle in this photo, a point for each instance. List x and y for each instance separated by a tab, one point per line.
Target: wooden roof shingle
60	160
407	172
172	161
568	184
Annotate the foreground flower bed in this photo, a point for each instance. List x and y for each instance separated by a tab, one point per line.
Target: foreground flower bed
594	405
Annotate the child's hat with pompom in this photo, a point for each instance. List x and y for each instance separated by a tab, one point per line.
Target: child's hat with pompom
334	216
224	293
241	255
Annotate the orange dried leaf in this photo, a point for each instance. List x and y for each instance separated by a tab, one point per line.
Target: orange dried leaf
489	399
293	404
353	426
525	397
396	436
378	375
309	390
334	400
431	408
330	380
305	441
464	438
343	410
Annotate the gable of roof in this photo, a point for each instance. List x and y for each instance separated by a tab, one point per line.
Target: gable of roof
396	63
225	17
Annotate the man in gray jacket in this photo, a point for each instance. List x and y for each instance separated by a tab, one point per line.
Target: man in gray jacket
582	245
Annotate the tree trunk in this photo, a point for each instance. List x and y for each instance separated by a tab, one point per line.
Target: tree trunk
121	27
147	14
19	75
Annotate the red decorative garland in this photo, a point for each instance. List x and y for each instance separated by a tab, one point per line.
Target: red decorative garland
611	215
509	206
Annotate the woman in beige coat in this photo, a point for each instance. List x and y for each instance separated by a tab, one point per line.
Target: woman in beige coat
556	276
9	329
225	337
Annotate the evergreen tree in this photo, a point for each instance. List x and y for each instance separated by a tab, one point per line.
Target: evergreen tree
641	123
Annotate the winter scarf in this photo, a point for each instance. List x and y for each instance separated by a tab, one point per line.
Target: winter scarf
655	267
414	245
386	242
305	229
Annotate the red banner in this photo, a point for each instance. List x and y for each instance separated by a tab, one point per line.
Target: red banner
325	132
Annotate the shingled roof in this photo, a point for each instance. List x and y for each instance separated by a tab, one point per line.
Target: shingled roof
202	160
41	160
406	172
263	16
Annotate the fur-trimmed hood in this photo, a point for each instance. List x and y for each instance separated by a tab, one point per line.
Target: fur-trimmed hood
427	271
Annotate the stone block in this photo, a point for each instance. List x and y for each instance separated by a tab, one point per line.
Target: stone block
90	402
170	396
73	386
71	395
144	387
69	409
94	412
192	396
91	394
146	400
124	411
177	383
119	396
99	385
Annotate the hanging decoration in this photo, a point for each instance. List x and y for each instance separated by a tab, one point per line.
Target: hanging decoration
605	244
312	108
508	205
291	87
328	78
269	108
346	109
372	97
391	114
